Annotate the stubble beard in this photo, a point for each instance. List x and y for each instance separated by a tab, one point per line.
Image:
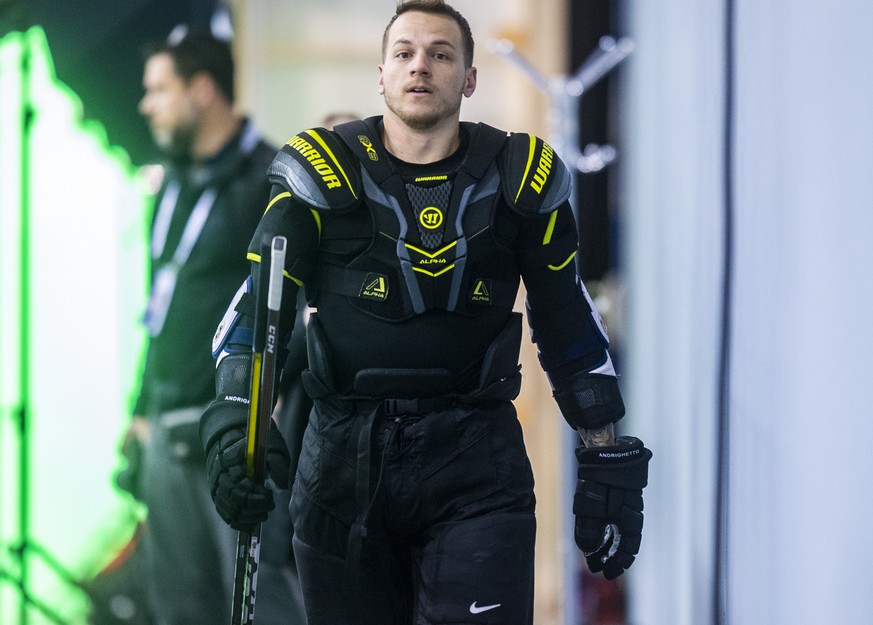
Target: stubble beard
176	143
418	119
177	139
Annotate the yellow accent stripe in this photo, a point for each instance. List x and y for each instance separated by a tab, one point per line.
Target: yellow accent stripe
550	229
562	265
434	254
321	142
251	435
276	199
317	221
311	210
530	155
432	274
257	258
296	281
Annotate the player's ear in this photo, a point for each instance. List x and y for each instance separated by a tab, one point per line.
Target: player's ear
470	82
202	88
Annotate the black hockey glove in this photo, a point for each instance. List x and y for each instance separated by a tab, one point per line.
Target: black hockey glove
609	504
240	500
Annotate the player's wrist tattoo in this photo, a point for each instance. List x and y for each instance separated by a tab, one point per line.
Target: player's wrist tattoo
598	437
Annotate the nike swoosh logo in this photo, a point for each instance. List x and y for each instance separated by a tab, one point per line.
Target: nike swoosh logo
476	609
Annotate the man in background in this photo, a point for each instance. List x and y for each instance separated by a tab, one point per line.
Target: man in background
213	193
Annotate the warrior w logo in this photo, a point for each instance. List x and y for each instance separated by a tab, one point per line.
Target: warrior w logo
431	218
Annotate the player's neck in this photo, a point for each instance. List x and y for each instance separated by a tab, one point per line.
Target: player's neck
420	146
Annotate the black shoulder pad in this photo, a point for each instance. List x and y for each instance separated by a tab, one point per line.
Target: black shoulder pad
534	179
316	167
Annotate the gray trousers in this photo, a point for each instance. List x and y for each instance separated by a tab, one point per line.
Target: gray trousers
189	552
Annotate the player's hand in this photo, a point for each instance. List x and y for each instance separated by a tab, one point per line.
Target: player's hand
240	500
609	504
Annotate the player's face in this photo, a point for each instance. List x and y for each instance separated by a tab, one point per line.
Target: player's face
423	75
168	106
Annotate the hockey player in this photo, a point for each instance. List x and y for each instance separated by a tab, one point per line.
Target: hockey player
411	231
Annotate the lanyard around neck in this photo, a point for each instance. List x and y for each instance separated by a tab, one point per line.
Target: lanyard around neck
193	227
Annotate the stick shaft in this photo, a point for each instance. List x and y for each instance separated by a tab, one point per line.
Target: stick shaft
264	363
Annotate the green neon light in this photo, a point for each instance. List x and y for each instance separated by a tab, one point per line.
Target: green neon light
73	263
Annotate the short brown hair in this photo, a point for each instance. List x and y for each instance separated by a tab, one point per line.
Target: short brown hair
199	51
434	7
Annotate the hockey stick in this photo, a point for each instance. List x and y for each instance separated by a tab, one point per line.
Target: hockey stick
263	377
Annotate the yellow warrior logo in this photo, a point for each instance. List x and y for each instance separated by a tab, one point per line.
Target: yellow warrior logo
543	168
317	161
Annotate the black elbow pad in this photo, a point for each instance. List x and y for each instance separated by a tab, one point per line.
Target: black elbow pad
589	400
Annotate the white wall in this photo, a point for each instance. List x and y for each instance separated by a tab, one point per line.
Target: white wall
670	169
799	500
804	296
